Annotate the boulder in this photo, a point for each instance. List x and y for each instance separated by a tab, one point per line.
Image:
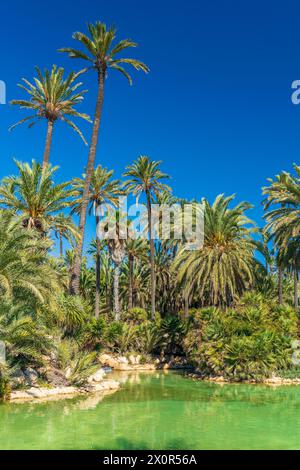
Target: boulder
68	372
31	376
56	377
134	360
98	376
108	360
18	378
122	360
105	385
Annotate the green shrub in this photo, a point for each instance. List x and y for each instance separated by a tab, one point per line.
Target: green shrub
5	387
135	315
249	342
148	338
82	366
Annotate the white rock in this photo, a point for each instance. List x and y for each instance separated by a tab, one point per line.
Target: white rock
104	385
132	359
68	372
98	376
123	360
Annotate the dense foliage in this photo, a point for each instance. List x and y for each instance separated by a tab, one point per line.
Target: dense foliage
229	306
248	342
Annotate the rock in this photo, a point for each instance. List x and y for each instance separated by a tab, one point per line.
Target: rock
18	378
19	395
107	360
35	392
105	385
98	376
122	360
132	359
56	377
31	376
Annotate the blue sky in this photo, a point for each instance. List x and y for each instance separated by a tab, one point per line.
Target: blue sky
215	107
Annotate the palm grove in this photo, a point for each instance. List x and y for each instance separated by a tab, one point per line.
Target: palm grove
229	308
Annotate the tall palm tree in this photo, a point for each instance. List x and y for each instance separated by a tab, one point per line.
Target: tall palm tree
52	97
34	197
117	251
64	227
223	268
145	177
278	193
101	54
135	250
291	260
103	190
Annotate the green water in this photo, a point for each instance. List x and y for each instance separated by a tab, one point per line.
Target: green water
159	411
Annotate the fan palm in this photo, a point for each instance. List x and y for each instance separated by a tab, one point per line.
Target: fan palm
145	177
101	54
223	267
103	190
34	197
52	97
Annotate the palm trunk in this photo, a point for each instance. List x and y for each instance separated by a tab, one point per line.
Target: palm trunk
186	306
116	293
151	256
130	287
75	276
46	156
280	284
98	271
295	287
61	245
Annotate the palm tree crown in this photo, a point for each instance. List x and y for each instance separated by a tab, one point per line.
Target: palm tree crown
145	176
101	52
223	267
52	97
102	189
33	196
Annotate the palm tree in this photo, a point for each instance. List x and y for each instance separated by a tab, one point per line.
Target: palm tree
103	190
223	268
102	55
33	196
145	177
116	248
52	97
25	273
291	260
278	192
64	227
135	249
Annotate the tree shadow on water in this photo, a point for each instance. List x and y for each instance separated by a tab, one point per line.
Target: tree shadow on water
126	444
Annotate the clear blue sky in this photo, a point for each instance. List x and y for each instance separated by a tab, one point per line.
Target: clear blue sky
215	108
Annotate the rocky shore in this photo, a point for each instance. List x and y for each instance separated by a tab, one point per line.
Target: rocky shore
95	383
27	384
134	362
273	381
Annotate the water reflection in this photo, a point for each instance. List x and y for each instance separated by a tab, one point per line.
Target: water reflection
157	410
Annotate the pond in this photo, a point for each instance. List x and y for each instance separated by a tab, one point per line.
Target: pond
159	410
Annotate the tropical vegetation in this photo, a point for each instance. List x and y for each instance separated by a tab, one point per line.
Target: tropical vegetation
228	306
